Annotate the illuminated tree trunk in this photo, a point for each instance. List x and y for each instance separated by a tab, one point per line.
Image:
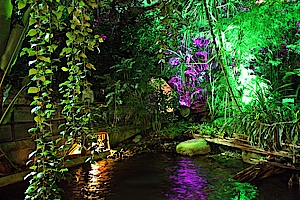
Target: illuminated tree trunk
219	57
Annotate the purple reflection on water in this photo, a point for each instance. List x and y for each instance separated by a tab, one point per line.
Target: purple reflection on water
187	182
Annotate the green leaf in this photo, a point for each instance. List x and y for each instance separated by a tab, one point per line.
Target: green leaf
32	21
81	4
48	60
58	14
47	82
94	5
54	47
6	8
31	52
42	78
38	119
13	47
48	71
8	115
90	66
65	69
33	72
69	35
58	140
33	90
32	32
83	55
287	74
40	175
70	10
33	167
61	8
21	5
26	18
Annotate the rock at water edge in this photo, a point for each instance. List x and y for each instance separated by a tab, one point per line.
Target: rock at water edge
193	147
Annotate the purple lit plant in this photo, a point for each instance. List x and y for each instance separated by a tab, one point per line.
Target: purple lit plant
190	68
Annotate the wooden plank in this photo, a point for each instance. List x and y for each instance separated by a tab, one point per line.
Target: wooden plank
247	147
284	166
257	172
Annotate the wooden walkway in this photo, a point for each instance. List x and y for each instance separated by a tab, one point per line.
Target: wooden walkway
244	145
247	147
265	167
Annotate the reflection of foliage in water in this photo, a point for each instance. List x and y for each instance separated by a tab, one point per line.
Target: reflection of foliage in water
233	190
187	182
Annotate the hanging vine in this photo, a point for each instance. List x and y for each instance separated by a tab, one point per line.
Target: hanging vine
45	163
47	19
79	41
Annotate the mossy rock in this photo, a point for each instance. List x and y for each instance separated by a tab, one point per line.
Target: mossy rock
193	147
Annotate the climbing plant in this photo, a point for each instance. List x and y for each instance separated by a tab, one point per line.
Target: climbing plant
45	164
47	20
217	60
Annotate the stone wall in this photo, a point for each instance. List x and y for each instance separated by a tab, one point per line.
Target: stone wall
21	119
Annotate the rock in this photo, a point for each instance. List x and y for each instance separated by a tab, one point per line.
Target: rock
137	139
193	147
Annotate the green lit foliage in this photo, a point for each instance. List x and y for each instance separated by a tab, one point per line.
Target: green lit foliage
264	44
258	60
233	190
270	124
264	51
217	128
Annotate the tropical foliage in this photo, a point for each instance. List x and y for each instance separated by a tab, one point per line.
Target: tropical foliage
233	64
11	40
243	68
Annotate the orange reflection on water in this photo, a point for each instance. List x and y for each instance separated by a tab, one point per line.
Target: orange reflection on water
93	184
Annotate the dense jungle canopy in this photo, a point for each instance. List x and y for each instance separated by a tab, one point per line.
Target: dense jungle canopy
224	66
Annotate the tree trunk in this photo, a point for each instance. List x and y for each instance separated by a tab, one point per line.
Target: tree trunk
219	56
5	21
6	8
1	93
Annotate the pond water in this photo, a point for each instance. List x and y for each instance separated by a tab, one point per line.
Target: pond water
161	176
